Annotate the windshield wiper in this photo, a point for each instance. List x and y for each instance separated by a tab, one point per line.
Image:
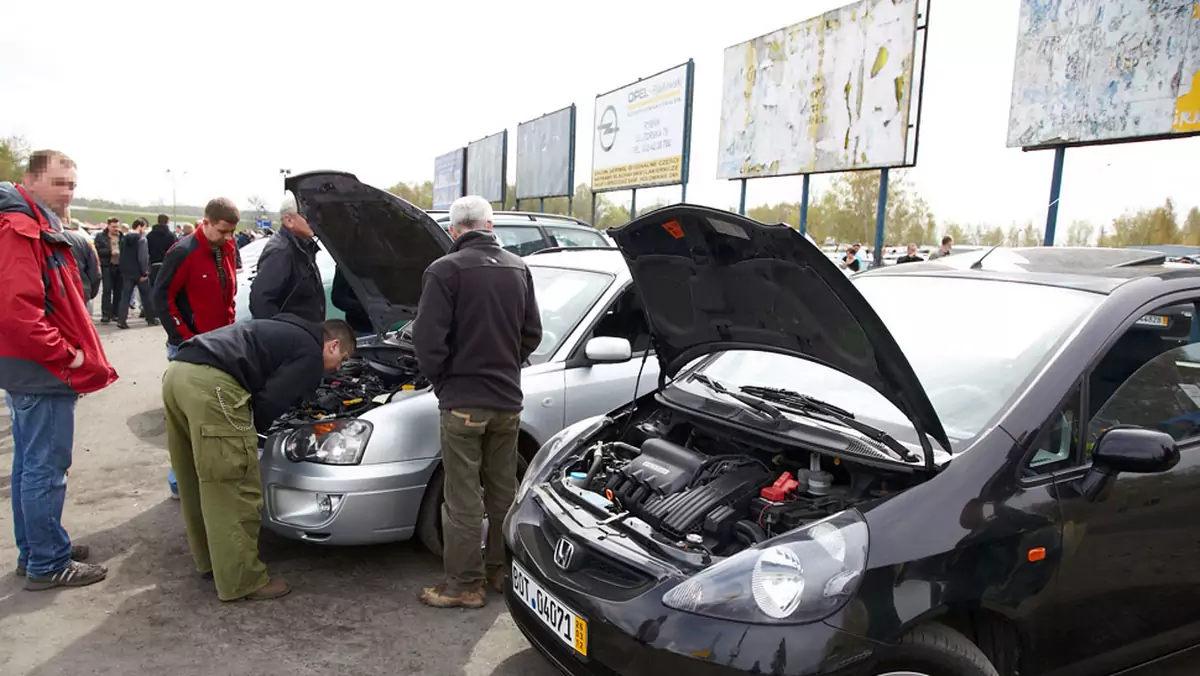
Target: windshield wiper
805	405
753	402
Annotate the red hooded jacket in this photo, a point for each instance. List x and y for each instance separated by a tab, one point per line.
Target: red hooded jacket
45	321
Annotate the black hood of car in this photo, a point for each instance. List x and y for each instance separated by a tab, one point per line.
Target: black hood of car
381	243
711	280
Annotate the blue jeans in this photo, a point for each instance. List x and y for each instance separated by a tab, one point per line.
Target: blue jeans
172	350
43	430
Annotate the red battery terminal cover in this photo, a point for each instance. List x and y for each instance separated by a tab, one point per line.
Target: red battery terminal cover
779	490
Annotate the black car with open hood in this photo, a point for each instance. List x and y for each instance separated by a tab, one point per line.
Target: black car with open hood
712	281
380	242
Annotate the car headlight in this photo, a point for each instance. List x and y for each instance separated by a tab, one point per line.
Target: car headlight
565	439
803	576
337	442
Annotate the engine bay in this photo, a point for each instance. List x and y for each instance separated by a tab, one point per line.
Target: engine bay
702	490
374	376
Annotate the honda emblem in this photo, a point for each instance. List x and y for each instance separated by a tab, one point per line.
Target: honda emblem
564	551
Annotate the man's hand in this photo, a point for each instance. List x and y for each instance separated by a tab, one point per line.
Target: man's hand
77	361
144	278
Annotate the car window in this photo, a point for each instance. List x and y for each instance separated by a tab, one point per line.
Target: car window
1163	394
1056	447
575	237
625	319
564	296
520	240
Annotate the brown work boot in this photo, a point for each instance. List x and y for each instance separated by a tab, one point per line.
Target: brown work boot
275	588
497	578
438	597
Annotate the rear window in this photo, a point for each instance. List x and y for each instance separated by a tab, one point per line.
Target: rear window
571	237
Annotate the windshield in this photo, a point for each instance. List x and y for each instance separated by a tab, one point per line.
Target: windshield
971	342
564	296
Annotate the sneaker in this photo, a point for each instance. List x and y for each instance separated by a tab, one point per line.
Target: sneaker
497	578
437	597
174	495
105	320
78	553
275	588
74	575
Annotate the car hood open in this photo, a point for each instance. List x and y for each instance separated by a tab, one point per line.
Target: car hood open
381	243
711	281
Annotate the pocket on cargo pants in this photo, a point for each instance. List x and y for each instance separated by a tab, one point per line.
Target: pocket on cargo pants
223	454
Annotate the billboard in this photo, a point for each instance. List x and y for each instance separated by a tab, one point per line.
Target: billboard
1100	71
487	167
641	135
828	94
449	172
546	155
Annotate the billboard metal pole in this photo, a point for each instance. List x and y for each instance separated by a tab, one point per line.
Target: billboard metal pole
804	207
571	205
687	128
595	221
1060	154
542	204
633	205
742	200
880	216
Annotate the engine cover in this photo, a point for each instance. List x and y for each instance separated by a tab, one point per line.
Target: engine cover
685	512
662	469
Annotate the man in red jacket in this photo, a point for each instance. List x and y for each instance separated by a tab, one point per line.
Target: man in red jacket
49	355
197	282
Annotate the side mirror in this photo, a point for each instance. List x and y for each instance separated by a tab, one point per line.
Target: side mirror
608	350
1135	450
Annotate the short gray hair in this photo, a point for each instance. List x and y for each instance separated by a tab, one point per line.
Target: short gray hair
470	212
289	204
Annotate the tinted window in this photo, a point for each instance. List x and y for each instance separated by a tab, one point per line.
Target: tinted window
625	319
521	240
573	237
1163	394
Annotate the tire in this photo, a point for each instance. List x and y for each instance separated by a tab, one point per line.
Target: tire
429	521
934	650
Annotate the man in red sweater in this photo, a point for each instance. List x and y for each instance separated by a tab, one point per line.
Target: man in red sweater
49	355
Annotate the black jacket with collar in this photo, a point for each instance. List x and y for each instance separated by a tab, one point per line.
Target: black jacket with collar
158	241
277	361
476	325
287	279
135	256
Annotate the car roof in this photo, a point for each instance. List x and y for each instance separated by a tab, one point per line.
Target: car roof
519	218
1095	269
609	260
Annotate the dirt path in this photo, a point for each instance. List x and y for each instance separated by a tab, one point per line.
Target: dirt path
354	611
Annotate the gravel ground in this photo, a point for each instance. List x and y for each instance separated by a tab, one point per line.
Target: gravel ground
352	611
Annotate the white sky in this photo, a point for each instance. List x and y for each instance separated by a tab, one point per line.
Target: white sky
232	91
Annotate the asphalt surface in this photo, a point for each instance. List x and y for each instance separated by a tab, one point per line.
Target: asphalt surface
352	611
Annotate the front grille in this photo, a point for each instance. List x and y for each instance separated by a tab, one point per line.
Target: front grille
601	575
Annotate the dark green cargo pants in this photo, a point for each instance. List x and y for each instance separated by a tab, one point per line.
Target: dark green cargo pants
214	451
479	460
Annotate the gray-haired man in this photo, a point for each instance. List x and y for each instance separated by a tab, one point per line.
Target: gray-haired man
287	279
476	324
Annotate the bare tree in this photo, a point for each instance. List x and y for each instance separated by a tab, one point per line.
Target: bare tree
259	205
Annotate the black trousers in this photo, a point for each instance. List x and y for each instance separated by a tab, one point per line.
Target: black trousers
127	287
110	290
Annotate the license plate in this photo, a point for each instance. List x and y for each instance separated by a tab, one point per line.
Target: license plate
1152	320
563	622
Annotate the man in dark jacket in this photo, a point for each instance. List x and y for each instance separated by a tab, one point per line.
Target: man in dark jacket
135	274
287	279
221	387
910	256
159	241
49	355
108	250
476	324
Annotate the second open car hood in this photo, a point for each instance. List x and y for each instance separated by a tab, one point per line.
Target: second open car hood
711	281
381	243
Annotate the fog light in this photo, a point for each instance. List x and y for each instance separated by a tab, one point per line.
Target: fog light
327	503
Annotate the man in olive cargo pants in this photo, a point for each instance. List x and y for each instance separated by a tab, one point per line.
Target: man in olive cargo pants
218	481
223	388
476	325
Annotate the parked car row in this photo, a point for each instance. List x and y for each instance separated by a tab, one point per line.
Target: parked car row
797	474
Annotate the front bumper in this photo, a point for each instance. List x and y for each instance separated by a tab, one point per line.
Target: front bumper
631	632
342	504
